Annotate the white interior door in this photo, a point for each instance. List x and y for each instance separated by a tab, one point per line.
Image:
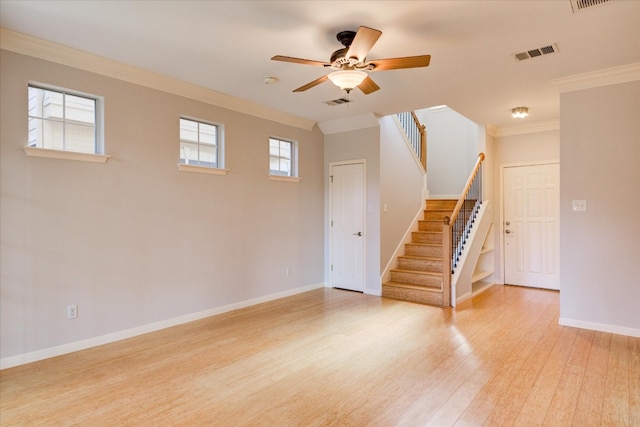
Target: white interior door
347	226
531	225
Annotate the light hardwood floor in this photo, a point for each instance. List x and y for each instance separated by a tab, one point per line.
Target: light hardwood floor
331	357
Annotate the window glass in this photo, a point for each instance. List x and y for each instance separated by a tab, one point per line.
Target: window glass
281	157
62	120
199	143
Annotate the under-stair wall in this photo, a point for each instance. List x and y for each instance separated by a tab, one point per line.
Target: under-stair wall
464	276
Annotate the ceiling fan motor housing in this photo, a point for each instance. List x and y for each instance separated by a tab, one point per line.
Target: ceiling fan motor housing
339	57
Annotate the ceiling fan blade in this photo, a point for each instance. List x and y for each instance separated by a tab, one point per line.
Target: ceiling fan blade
398	63
363	42
367	86
309	85
299	60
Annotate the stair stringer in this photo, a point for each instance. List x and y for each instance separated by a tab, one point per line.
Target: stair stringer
461	279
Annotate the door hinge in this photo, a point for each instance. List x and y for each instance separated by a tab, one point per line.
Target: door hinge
331	176
331	267
332	223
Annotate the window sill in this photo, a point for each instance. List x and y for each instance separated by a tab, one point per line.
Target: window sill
285	178
202	169
65	155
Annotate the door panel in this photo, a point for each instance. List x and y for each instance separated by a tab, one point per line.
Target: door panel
347	226
531	213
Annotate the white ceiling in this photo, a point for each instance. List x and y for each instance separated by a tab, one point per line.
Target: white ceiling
227	45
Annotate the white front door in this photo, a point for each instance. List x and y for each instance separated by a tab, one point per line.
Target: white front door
531	225
347	226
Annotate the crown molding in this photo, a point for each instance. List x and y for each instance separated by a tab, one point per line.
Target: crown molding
593	79
64	55
534	127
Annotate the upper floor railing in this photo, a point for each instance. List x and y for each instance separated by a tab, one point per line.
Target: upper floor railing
416	134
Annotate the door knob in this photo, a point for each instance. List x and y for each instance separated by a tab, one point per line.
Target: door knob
359	233
507	231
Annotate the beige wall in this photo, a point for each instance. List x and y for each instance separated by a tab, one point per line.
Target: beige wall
600	248
135	241
452	151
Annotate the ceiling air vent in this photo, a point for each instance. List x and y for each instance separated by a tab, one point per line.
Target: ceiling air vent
578	5
338	101
545	50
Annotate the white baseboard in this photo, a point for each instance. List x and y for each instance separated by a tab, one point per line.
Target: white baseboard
22	359
464	297
601	327
472	294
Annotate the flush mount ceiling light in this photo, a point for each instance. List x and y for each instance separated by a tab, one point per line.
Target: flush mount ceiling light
519	112
347	79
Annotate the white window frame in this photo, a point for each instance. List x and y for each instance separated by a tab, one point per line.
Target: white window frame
98	155
293	177
218	169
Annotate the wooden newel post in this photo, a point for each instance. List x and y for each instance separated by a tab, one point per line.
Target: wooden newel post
446	262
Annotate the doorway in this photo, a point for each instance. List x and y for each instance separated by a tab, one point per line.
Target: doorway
531	225
347	225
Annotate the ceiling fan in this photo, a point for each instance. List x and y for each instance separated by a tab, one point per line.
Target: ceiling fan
350	63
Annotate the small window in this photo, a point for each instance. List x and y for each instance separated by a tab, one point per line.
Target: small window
64	120
200	143
282	157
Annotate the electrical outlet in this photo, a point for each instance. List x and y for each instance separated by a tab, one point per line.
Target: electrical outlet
72	311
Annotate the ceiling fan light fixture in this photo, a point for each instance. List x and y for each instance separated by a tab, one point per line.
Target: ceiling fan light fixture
347	79
519	112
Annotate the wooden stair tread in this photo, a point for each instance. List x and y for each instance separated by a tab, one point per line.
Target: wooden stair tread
416	257
412	286
423	272
424	244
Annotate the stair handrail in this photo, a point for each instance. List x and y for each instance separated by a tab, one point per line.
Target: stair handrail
467	187
416	133
448	240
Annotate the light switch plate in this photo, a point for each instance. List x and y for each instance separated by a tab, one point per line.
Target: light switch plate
579	205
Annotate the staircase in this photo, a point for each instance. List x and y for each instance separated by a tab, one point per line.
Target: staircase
418	274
